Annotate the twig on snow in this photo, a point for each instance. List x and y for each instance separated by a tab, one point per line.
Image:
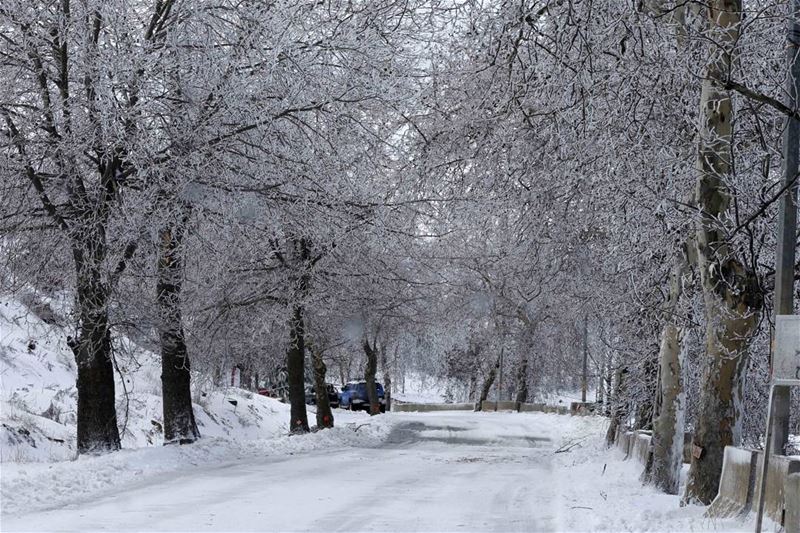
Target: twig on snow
567	447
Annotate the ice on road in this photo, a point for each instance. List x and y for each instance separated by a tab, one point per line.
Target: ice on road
432	472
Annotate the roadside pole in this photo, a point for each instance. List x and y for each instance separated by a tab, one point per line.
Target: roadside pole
777	427
787	225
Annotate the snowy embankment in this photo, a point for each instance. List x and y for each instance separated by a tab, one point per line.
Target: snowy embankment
26	488
38	395
602	491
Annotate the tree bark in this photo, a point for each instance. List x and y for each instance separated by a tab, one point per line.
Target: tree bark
324	413
370	370
179	422
295	365
487	385
647	406
730	289
522	380
618	408
97	415
387	378
664	470
296	355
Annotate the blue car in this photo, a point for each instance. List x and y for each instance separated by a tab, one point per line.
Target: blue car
354	396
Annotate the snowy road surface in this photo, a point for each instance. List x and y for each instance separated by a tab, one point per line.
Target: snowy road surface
432	472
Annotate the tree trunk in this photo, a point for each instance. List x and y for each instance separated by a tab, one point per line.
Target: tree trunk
668	425
647	408
324	414
618	408
664	471
600	397
522	380
585	369
97	414
730	289
295	365
343	375
387	379
487	385
369	376
179	422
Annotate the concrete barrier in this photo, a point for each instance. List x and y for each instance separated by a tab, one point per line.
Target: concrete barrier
641	446
532	407
623	440
740	486
499	406
735	495
428	407
779	469
486	405
791	495
582	408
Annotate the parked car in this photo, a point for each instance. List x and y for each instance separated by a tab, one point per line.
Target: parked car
263	391
354	396
333	395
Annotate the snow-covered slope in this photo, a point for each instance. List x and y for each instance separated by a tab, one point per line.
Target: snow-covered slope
38	395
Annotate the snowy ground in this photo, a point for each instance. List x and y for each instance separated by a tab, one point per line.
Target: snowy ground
399	472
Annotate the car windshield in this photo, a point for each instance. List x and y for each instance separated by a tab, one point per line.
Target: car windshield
362	387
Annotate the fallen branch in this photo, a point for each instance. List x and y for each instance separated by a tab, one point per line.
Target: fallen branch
568	446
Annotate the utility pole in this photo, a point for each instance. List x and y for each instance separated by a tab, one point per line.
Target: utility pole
777	434
585	378
787	224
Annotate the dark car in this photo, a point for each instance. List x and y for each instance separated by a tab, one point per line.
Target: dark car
333	395
354	396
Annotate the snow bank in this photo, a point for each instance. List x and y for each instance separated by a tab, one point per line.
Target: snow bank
601	491
32	487
38	397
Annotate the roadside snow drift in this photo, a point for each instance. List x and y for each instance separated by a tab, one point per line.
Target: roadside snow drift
38	394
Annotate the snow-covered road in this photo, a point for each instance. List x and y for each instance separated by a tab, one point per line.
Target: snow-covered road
432	472
436	472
